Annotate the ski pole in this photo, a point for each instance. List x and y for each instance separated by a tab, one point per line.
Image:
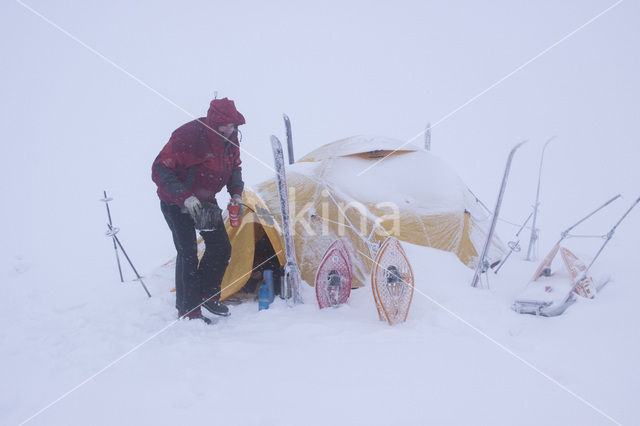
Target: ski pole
566	232
113	232
544	267
139	278
513	245
609	237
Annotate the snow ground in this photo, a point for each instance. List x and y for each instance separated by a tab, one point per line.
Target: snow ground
302	365
74	125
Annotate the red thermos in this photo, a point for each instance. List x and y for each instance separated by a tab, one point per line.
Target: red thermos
234	213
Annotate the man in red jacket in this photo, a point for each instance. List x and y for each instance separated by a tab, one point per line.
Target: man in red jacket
201	158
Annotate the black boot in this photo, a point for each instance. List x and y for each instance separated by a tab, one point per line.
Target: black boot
195	314
215	307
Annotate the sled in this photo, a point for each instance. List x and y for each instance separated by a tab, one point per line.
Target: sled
551	294
546	297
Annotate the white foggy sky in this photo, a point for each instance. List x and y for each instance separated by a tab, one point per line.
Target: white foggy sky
74	125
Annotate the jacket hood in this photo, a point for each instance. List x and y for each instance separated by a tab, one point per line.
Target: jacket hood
223	111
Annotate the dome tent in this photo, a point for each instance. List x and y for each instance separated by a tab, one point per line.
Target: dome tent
342	189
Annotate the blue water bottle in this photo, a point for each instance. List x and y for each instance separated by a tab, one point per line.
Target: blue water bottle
267	277
263	297
265	291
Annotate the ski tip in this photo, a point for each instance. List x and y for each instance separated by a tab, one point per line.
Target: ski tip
286	117
615	198
275	141
515	148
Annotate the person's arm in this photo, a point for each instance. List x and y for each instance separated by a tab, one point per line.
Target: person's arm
168	179
169	166
235	184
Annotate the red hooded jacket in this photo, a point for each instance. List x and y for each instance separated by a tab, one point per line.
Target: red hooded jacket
197	161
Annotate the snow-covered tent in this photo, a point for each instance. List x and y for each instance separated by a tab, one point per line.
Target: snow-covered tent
343	189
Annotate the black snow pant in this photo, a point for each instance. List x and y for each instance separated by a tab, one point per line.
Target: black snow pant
195	282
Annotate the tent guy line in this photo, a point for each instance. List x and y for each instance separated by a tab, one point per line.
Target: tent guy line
130	351
509	351
497	83
136	79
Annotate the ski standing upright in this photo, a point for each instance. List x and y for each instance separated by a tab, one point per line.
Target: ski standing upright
482	260
287	128
531	255
292	277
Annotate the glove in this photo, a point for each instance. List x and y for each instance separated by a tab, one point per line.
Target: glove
209	218
193	206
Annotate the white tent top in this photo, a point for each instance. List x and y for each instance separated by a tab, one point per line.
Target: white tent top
411	177
358	145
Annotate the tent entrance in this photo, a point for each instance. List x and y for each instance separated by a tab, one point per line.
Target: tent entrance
264	258
255	247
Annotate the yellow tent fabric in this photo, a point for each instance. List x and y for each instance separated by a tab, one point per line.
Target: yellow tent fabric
257	220
343	189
